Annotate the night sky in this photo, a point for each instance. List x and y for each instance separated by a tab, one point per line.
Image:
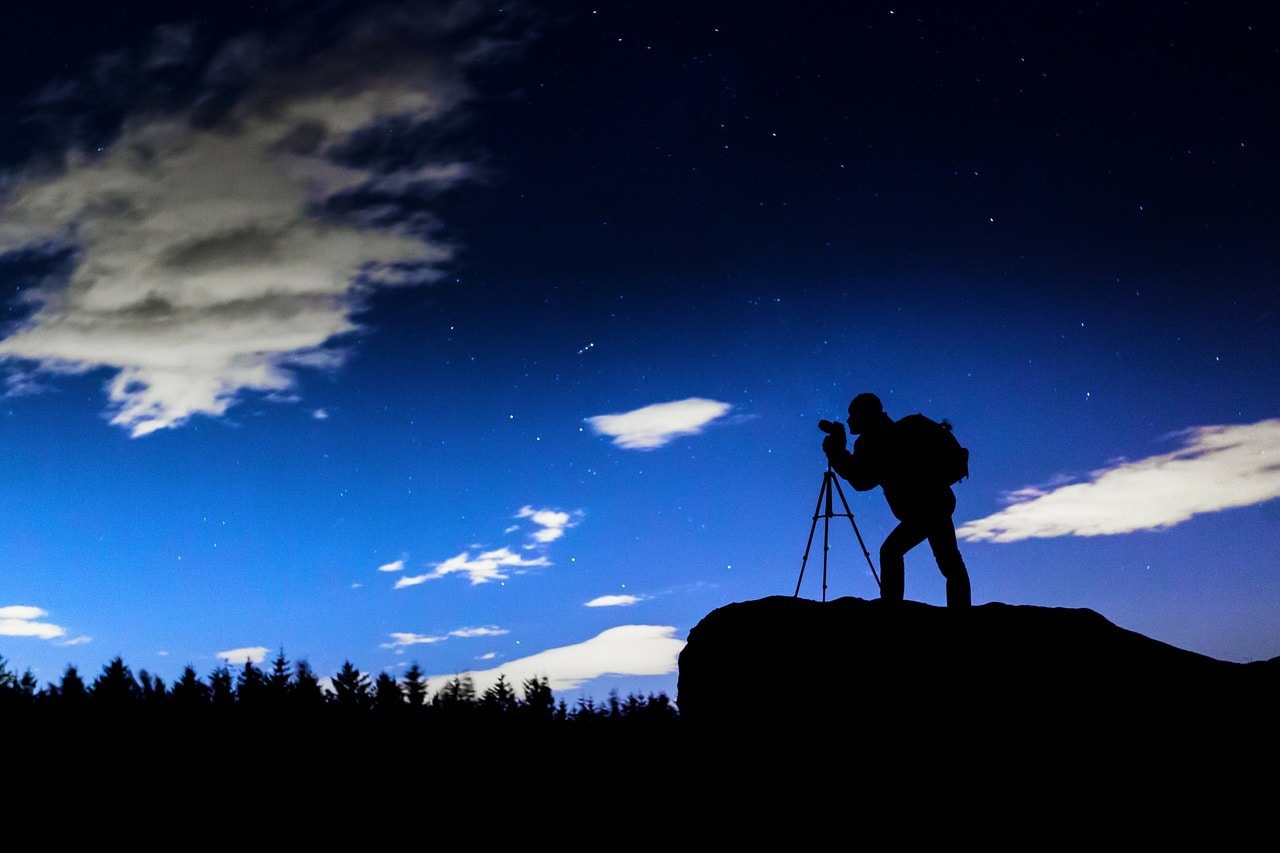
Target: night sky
494	337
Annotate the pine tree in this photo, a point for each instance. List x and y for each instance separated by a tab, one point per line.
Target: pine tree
459	692
153	689
8	683
189	691
305	692
71	690
115	687
499	698
415	686
351	687
251	685
222	692
388	695
538	701
278	680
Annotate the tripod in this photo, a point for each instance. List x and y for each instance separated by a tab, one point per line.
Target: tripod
824	497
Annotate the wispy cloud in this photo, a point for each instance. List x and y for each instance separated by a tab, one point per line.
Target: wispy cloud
500	563
1217	468
614	601
401	639
211	249
625	650
486	631
489	566
395	566
20	620
653	426
254	654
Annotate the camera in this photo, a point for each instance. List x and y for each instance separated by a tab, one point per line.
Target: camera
831	427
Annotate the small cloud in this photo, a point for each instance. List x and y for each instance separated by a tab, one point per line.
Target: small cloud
77	641
552	523
613	601
490	631
625	650
320	415
402	639
413	580
1217	468
19	620
396	566
253	654
653	426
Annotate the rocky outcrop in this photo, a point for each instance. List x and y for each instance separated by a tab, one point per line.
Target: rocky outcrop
1011	677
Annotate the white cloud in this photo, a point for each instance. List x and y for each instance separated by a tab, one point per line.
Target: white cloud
1217	468
498	563
396	566
552	523
488	631
489	566
613	601
21	611
625	650
401	639
653	426
20	620
205	265
255	654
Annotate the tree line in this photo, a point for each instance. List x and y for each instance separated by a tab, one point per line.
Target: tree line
289	686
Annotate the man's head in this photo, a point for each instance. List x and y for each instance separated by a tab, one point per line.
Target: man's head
865	410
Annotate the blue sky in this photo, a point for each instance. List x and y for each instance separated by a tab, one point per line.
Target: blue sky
494	338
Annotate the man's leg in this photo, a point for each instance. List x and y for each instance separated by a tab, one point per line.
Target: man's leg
942	539
893	559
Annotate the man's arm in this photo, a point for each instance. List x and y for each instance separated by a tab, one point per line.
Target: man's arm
847	464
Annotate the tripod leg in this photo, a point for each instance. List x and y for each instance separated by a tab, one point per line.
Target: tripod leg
857	533
826	532
816	510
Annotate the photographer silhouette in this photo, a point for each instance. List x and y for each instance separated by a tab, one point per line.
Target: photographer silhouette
886	454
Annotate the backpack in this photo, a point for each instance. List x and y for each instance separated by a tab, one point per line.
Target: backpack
930	451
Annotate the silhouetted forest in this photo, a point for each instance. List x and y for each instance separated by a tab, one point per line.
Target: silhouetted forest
291	690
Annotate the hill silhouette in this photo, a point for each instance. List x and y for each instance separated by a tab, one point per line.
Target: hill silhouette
999	722
1007	678
994	723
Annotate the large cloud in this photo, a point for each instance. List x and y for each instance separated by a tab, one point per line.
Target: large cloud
1217	468
655	425
625	650
20	620
215	247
